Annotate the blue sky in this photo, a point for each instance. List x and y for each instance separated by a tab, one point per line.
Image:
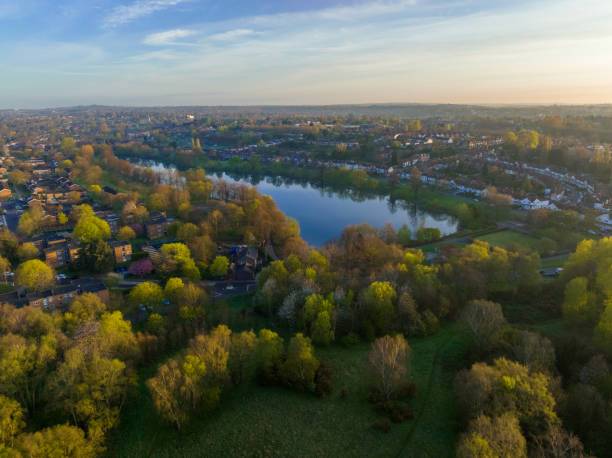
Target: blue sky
234	52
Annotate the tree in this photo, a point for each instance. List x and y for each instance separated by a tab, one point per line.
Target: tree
90	388
126	233
90	228
268	353
241	360
86	307
578	303
404	235
35	275
482	318
321	329
428	234
58	441
172	290
317	318
62	219
96	256
27	225
68	145
507	387
5	267
502	435
11	421
219	266
378	301
141	268
389	359
300	366
603	331
170	392
147	294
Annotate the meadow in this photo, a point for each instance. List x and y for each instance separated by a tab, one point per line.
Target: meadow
253	420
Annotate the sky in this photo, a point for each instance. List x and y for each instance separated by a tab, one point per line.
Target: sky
288	52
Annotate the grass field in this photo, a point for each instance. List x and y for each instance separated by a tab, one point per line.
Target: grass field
273	421
554	262
506	239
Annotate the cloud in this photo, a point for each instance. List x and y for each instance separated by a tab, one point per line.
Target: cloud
169	37
232	34
124	14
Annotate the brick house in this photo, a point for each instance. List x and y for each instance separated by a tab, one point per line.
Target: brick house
158	225
61	254
121	250
59	296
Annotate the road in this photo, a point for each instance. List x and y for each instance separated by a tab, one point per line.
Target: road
225	289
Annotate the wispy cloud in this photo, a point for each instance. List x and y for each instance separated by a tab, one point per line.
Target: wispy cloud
169	37
232	34
124	14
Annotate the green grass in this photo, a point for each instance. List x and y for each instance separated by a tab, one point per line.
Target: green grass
6	288
506	239
555	262
274	421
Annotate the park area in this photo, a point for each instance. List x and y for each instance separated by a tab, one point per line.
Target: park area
254	420
508	238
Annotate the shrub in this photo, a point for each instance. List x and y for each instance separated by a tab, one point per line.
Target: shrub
383	425
323	381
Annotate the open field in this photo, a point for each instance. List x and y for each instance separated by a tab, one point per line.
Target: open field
554	262
505	239
273	421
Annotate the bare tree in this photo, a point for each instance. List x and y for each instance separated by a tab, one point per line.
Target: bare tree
482	318
389	358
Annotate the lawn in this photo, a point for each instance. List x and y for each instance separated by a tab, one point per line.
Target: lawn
506	239
273	421
554	262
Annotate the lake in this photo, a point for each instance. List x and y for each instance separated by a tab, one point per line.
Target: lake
323	214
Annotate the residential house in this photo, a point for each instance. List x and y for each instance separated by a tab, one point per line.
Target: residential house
158	225
48	240
111	218
61	254
121	250
245	262
58	297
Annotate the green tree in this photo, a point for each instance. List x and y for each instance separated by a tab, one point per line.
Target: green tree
493	437
62	219
321	329
147	294
300	366
219	266
269	352
507	387
578	301
126	233
68	145
11	420
90	389
27	250
90	228
378	306
95	256
172	290
404	235
84	308
603	331
58	441
35	275
242	355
